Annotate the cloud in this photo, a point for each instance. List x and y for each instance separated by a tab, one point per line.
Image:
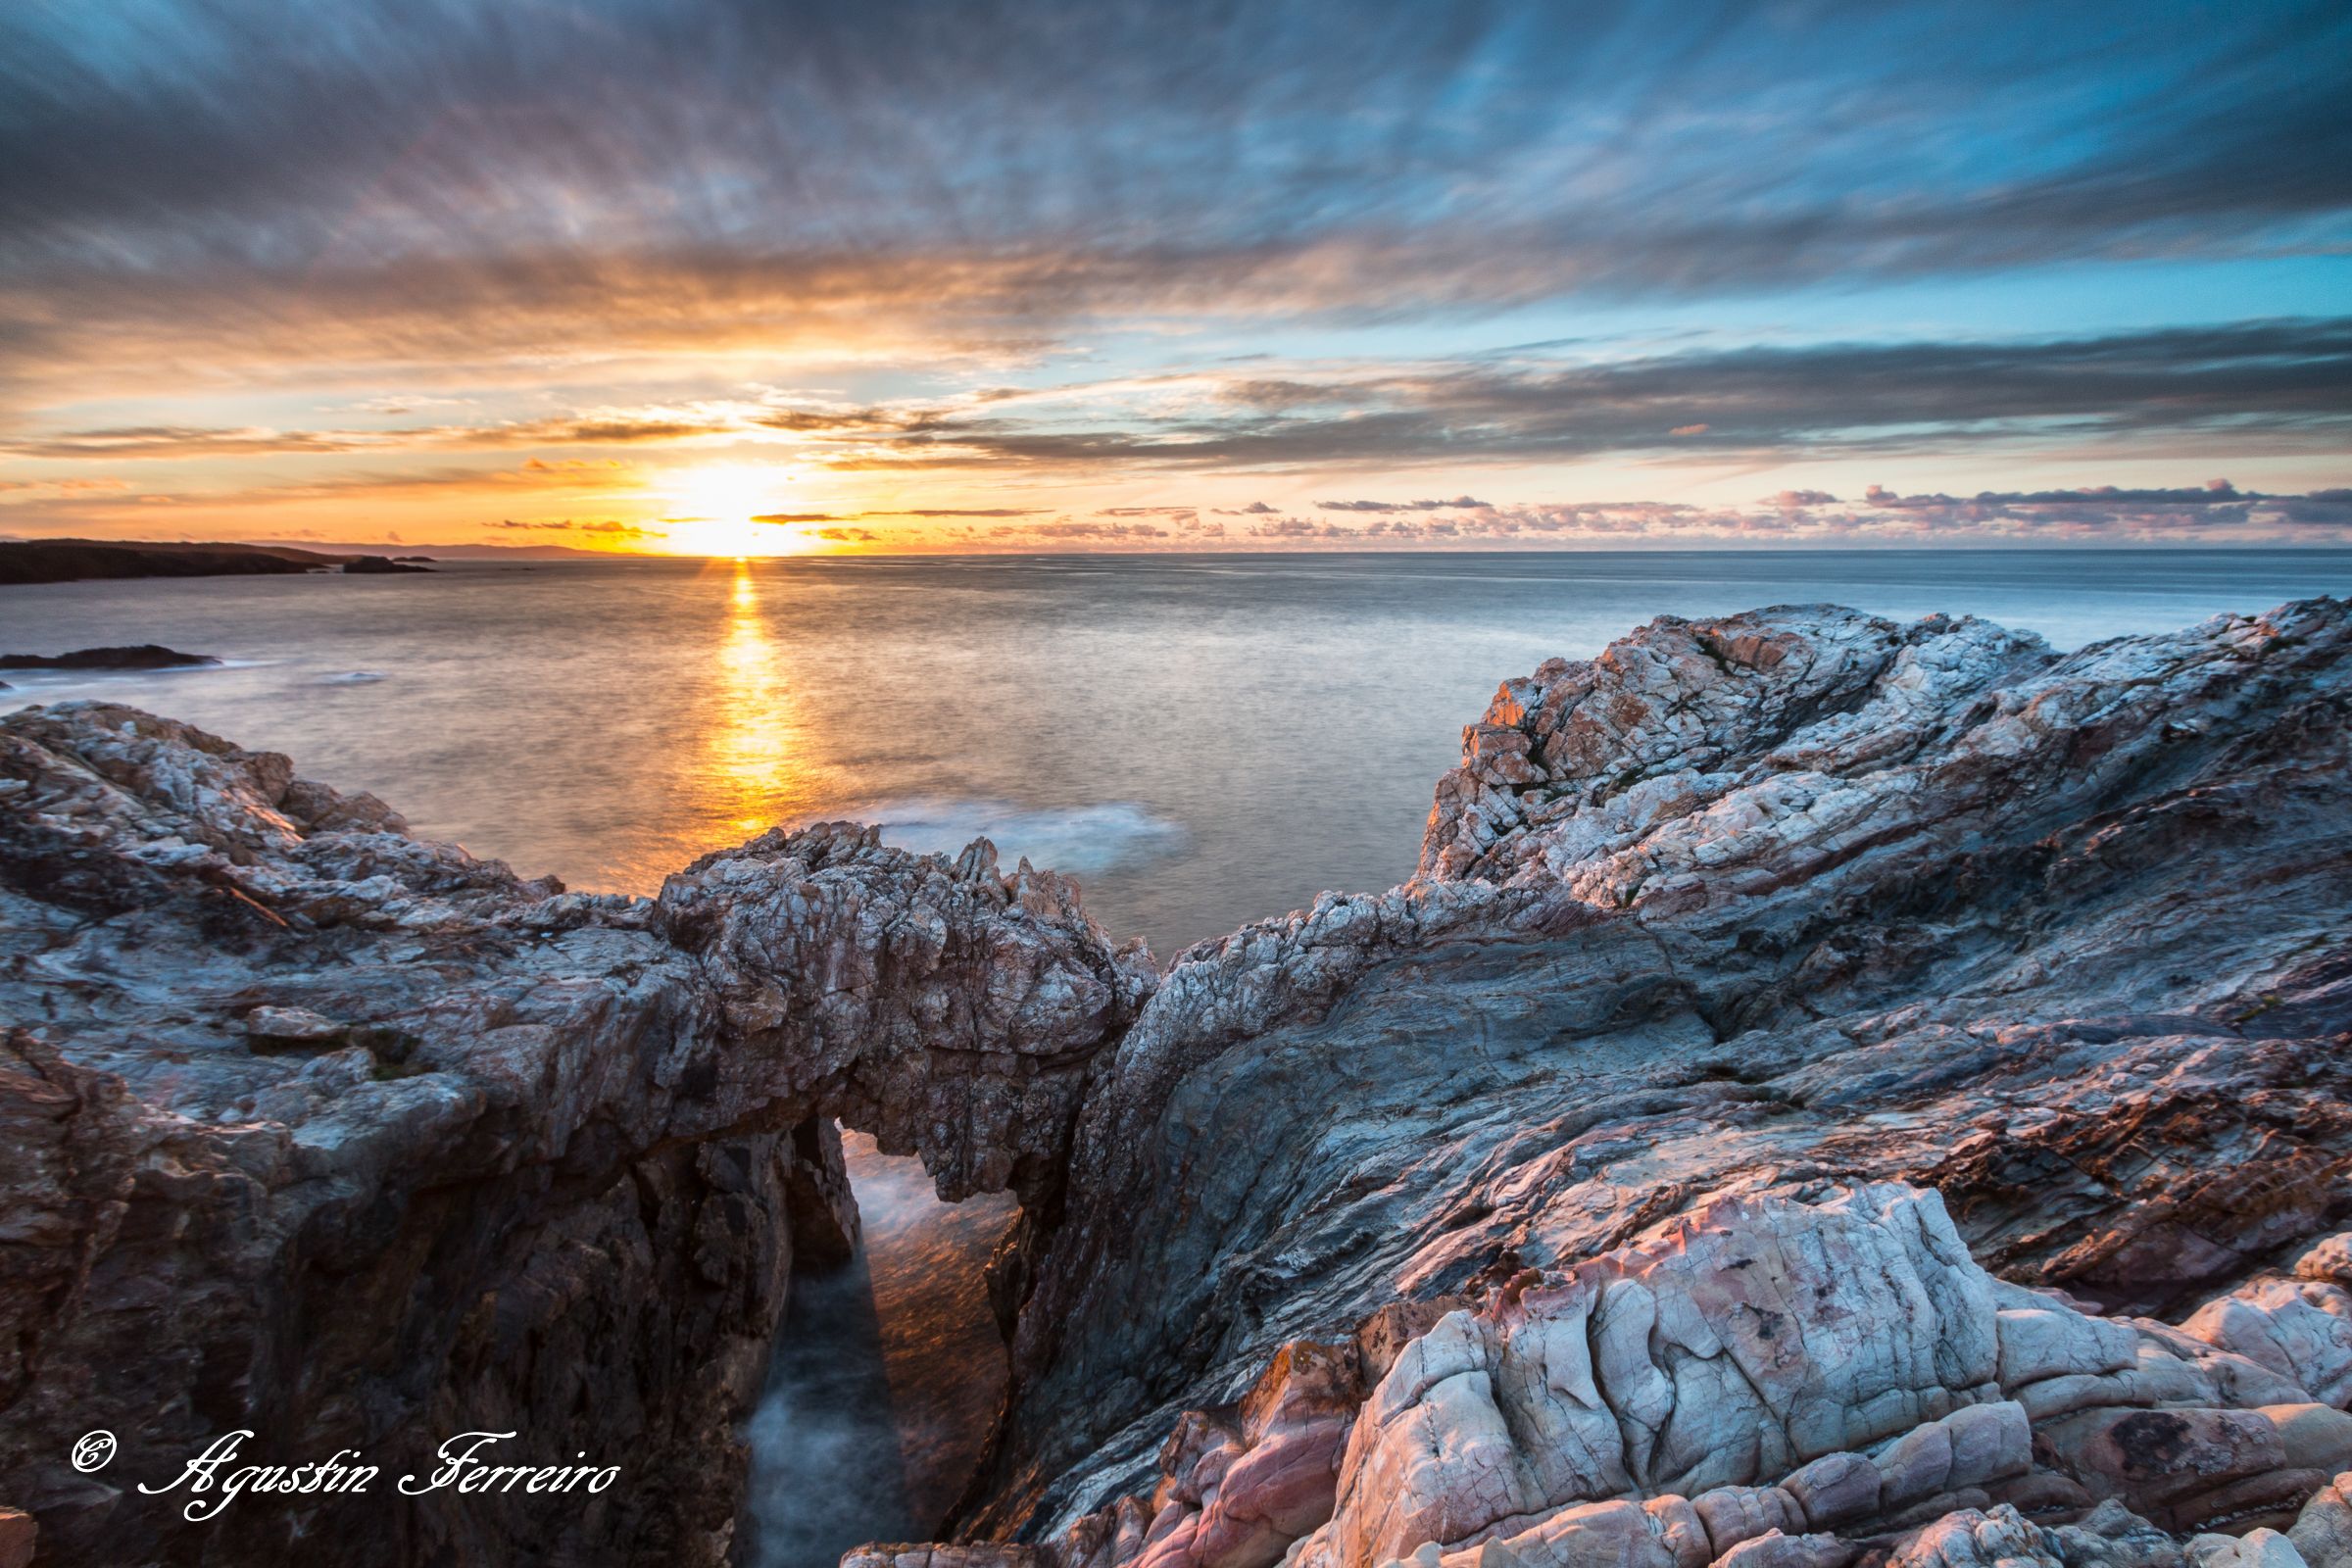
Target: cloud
364	184
177	441
2105	514
2277	385
957	512
454	484
1458	504
139	443
603	525
1069	529
830	422
2322	509
2286	384
848	535
1300	528
2181	511
74	487
408	403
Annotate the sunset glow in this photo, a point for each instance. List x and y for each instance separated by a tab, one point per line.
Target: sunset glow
1521	277
731	509
754	770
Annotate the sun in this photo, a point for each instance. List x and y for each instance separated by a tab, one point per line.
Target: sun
720	507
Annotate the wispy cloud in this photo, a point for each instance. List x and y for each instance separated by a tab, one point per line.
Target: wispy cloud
1608	144
258	252
1458	504
383	185
2100	513
2284	384
609	526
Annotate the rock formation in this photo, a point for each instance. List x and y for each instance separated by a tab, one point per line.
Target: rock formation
47	561
315	1129
1837	1092
144	656
1774	911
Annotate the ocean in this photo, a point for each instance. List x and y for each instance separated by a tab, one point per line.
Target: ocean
1201	739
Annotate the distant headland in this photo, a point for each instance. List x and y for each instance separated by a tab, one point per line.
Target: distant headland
37	561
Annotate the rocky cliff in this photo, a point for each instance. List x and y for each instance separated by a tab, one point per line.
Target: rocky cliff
1716	937
317	1130
1835	1091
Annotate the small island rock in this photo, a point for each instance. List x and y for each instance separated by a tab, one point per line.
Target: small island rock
145	656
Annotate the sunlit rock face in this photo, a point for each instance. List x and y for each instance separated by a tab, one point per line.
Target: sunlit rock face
1746	951
324	1130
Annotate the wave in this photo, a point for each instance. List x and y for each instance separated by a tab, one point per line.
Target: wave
50	679
1080	838
351	677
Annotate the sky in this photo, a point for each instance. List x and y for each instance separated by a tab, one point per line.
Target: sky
738	276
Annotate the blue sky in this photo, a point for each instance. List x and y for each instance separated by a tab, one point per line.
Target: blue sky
1159	275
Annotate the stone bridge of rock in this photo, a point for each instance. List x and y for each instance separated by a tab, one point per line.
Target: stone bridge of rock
404	1144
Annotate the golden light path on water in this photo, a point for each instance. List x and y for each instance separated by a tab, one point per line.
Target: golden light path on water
755	769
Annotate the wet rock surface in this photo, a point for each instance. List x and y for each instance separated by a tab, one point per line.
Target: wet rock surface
1837	1092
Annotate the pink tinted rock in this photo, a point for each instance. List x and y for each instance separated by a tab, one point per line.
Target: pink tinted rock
1778	1551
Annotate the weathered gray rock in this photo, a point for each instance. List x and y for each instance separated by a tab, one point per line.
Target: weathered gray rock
1781	906
2323	1532
1748	1343
1778	1382
931	1554
319	1130
2299	1329
946	1007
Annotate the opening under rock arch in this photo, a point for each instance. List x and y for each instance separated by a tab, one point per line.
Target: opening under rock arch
887	1376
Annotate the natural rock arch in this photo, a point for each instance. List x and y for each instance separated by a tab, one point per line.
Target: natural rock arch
415	1146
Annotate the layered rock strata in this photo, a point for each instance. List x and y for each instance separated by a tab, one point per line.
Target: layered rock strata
315	1129
1762	1379
1742	921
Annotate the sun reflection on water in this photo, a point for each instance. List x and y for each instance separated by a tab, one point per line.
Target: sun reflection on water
755	769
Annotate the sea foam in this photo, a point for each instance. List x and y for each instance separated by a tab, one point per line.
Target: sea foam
1080	838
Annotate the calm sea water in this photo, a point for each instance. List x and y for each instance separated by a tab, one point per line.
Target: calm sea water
1202	740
